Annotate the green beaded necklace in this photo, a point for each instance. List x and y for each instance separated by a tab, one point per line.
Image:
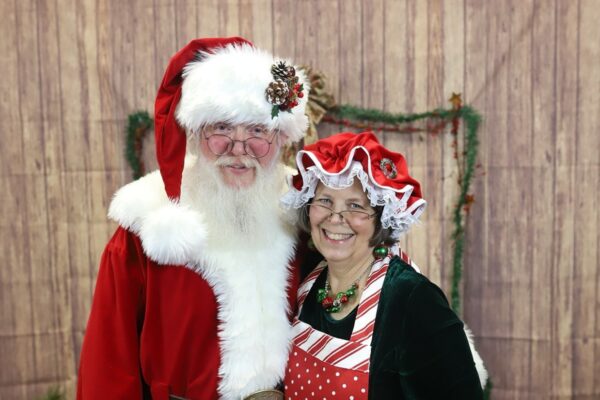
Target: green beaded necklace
334	304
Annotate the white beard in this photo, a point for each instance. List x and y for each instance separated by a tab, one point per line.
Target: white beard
244	259
234	215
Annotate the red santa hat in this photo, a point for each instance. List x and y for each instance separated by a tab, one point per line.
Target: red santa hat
338	159
223	79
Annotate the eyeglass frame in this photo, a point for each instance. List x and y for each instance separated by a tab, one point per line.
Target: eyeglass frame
340	213
232	141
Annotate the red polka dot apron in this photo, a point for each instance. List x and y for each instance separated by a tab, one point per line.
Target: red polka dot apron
321	366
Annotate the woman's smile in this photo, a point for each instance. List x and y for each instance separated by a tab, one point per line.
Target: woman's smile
336	237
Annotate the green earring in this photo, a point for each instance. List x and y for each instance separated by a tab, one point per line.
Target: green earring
380	252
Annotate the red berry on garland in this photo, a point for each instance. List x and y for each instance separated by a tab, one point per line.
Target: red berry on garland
344	299
301	94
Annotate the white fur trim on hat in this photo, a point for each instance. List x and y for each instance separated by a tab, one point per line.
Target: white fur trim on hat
229	85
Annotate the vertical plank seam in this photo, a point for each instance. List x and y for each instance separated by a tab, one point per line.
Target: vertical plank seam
485	183
507	171
553	262
531	185
575	293
175	26
239	19
362	55
273	28
383	64
440	137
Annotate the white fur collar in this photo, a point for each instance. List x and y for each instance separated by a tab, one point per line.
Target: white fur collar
171	233
249	283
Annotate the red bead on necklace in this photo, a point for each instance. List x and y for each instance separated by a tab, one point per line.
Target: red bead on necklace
334	304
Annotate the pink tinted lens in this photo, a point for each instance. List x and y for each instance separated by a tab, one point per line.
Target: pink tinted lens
219	144
257	147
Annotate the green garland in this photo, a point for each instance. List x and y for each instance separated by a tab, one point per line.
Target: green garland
472	120
54	393
138	125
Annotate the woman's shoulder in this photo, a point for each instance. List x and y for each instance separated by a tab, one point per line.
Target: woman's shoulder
402	275
406	285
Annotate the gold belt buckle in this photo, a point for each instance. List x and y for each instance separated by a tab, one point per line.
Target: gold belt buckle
271	394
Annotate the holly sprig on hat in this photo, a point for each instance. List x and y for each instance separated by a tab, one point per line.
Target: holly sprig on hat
283	93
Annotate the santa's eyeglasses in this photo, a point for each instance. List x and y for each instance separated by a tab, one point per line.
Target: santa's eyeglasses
219	141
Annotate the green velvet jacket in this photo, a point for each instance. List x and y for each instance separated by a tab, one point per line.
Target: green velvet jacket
419	347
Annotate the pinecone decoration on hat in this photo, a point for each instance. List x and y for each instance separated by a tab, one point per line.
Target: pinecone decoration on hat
278	92
283	93
282	71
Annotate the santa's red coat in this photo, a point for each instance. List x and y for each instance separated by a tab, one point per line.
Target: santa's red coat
154	327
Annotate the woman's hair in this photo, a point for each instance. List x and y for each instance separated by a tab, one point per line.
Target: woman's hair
380	236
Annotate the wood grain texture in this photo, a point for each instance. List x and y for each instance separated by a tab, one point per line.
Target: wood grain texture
73	71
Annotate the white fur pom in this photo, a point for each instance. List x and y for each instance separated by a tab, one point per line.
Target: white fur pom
481	371
137	199
172	234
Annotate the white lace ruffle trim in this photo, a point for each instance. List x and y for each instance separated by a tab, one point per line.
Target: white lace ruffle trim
396	215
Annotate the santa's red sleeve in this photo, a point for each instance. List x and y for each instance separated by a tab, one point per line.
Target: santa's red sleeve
109	365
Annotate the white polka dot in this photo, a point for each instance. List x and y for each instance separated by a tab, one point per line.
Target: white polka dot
351	398
309	381
285	387
333	393
295	353
328	381
306	369
344	385
363	390
312	393
337	374
304	358
301	387
297	364
320	387
323	369
292	382
298	375
315	364
318	375
295	393
355	378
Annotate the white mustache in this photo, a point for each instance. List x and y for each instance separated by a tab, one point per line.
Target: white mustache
248	162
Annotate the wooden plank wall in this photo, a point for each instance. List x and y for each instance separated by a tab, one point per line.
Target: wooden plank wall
73	70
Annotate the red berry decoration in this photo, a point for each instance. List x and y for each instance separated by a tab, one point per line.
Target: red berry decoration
327	302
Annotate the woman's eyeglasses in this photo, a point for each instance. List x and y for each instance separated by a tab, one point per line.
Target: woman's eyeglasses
321	211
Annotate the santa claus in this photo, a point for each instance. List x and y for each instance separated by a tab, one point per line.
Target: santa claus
191	299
